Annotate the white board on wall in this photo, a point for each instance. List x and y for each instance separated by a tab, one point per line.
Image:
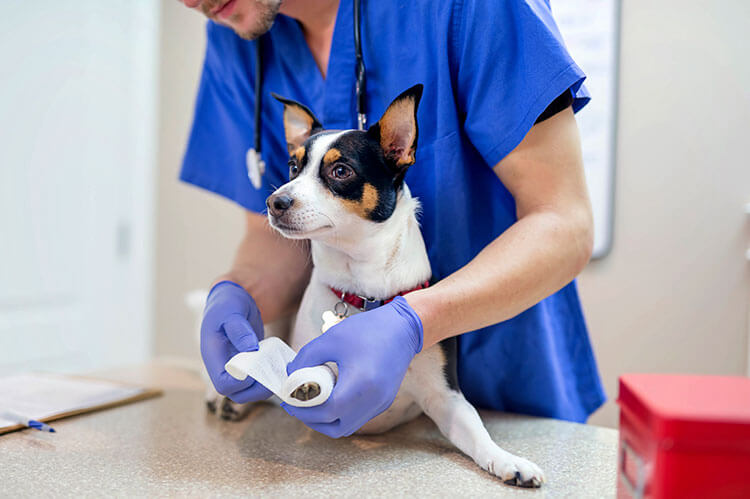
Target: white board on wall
590	29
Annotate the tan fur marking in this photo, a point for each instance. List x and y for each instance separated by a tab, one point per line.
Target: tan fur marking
297	126
405	161
299	153
364	206
331	156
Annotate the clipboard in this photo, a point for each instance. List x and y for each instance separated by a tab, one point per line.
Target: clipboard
50	397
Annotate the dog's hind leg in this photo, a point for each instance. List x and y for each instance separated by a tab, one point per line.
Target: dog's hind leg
460	423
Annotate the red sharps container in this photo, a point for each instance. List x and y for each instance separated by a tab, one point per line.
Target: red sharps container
684	436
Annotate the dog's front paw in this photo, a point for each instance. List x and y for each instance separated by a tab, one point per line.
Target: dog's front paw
513	470
232	411
306	391
224	408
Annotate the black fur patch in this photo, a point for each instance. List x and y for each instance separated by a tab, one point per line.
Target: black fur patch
364	157
450	349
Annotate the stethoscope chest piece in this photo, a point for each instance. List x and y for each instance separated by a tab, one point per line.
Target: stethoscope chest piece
256	167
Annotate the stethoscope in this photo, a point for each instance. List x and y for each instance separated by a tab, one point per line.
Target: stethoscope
256	167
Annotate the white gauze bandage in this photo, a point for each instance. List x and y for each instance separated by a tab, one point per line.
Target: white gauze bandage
267	365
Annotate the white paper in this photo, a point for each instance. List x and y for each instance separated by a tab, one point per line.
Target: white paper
38	396
267	365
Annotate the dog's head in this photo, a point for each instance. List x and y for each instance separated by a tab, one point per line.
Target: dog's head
338	179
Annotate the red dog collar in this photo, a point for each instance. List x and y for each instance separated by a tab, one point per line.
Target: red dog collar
362	302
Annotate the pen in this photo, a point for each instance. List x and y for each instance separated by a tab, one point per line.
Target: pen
26	421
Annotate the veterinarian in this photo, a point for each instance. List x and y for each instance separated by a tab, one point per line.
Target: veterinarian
505	211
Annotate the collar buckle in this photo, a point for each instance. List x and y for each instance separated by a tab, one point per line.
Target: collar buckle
369	303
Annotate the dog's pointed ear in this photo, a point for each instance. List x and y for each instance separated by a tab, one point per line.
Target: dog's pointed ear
299	122
397	129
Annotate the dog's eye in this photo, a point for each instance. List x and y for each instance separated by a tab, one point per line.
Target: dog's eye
341	171
293	168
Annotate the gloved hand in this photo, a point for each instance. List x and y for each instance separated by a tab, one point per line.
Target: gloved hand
372	350
231	324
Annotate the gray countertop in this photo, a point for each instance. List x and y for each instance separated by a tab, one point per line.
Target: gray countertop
171	446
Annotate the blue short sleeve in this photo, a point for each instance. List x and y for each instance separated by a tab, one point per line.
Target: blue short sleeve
511	64
222	131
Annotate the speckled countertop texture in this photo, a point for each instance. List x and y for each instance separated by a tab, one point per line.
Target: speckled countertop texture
170	446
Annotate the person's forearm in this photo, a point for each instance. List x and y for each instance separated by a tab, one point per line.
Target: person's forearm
272	269
535	257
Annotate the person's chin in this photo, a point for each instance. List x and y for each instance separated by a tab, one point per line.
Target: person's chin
249	19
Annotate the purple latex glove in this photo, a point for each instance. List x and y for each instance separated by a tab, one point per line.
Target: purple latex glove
231	324
372	350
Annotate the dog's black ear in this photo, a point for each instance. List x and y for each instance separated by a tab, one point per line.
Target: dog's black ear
299	122
397	130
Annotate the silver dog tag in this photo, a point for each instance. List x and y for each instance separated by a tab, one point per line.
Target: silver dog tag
330	319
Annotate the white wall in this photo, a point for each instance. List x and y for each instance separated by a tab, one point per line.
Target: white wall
198	232
672	295
76	187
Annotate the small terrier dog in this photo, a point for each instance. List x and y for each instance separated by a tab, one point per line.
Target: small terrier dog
346	194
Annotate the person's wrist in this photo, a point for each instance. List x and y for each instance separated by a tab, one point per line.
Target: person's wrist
407	312
248	279
423	305
223	282
235	276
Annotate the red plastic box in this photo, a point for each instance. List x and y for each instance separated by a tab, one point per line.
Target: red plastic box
684	436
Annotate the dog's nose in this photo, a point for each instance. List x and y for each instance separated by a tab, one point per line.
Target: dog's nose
279	203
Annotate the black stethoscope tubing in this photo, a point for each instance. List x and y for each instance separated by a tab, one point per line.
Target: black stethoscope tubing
359	86
258	90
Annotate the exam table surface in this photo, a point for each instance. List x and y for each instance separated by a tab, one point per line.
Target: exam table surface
171	446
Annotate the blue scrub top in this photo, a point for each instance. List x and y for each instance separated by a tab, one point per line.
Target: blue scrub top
489	69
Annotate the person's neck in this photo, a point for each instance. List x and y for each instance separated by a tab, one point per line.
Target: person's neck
318	19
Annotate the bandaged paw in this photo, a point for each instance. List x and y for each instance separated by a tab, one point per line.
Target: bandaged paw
305	387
